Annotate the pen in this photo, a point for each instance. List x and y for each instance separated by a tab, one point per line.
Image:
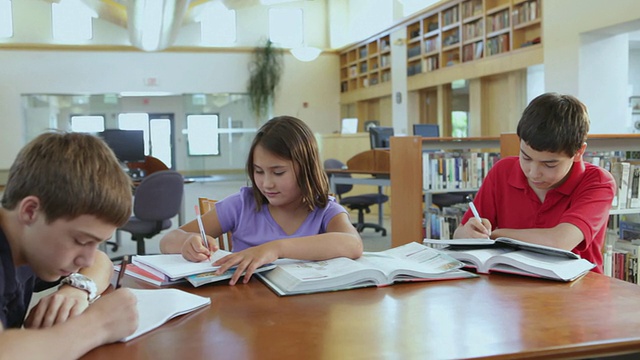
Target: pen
475	212
123	267
202	233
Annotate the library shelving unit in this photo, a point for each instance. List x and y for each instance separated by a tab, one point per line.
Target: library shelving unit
462	31
407	208
366	64
406	173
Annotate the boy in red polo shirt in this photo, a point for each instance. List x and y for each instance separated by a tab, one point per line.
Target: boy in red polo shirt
547	195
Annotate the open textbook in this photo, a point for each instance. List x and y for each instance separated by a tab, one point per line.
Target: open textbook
169	269
157	306
175	266
516	257
409	262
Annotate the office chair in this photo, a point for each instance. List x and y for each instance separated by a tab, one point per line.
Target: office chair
149	166
224	240
361	203
157	199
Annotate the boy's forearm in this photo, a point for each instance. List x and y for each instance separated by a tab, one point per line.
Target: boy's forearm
563	236
64	341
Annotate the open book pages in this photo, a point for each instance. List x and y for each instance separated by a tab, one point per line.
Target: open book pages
504	242
175	266
521	262
157	306
409	262
209	277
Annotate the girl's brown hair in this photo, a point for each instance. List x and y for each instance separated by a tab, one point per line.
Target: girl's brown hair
291	139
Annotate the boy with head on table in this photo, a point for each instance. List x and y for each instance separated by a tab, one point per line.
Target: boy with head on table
547	195
65	194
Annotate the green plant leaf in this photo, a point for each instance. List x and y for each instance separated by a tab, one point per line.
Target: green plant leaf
265	72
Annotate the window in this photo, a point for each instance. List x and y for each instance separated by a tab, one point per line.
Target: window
71	21
217	25
87	123
203	135
286	27
459	124
6	19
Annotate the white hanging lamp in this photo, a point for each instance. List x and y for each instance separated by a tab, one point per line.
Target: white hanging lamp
306	53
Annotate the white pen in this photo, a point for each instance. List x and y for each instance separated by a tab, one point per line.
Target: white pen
475	212
202	233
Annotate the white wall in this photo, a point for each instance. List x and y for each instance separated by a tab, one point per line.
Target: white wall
568	26
603	80
97	72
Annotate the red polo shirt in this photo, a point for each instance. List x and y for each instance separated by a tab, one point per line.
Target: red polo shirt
584	199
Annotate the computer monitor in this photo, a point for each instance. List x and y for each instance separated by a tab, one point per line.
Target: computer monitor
128	145
380	136
426	130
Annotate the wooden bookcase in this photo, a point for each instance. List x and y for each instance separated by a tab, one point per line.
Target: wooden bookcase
407	208
444	35
366	64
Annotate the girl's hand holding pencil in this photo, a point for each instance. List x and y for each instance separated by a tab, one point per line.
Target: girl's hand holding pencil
198	247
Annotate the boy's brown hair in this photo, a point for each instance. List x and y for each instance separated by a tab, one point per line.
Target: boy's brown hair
554	123
291	139
72	174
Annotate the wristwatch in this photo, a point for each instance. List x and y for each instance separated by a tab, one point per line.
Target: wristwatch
82	282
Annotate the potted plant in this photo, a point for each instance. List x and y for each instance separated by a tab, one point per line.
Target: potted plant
265	70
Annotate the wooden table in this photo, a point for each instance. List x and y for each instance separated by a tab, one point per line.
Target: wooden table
496	316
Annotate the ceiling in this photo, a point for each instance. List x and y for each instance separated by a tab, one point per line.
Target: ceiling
137	16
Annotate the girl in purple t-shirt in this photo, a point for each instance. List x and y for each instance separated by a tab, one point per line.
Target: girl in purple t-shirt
287	213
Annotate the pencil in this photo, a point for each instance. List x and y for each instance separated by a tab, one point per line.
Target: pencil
123	268
202	233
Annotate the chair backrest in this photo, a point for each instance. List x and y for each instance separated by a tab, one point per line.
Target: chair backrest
224	240
149	166
159	196
337	164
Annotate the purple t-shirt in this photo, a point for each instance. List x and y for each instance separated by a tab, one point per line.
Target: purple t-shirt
249	227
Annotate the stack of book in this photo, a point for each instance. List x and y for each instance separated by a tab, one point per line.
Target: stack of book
167	269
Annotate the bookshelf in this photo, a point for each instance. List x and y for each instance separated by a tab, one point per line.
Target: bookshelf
406	172
366	64
407	209
444	35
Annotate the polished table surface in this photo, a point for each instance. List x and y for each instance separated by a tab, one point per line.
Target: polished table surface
495	316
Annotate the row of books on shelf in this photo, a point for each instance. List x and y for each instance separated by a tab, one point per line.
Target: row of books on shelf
625	169
455	170
525	13
621	260
440	224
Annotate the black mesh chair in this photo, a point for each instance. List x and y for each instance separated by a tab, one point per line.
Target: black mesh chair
157	199
361	203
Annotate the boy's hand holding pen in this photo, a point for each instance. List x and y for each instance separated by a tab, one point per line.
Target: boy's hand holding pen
482	225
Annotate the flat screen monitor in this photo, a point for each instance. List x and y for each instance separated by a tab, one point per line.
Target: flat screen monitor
380	136
426	130
128	145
